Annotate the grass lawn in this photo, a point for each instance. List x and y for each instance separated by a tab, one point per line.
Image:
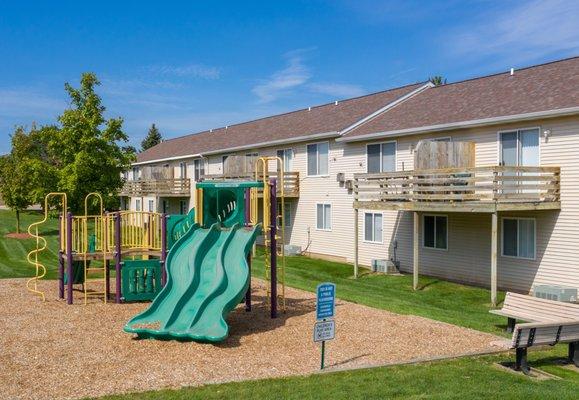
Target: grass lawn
13	252
468	378
444	301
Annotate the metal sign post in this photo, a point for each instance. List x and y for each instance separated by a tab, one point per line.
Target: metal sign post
325	327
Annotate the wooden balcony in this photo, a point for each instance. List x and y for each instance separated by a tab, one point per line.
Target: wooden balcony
176	187
481	189
291	181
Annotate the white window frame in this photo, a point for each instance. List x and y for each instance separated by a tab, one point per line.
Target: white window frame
499	141
288	209
183	168
331	216
138	205
381	166
317	161
165	206
151	205
518	230
374	213
291	167
223	158
198	164
424	231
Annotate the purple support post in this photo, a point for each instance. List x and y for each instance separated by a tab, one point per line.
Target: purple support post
248	293
247	223
69	271
60	259
273	245
163	248
118	257
107	278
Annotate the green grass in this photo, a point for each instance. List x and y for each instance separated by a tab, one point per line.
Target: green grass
437	299
13	252
468	378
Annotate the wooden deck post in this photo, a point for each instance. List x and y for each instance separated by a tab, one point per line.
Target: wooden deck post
494	246
356	233
415	241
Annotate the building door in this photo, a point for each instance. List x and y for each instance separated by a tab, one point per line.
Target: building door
517	149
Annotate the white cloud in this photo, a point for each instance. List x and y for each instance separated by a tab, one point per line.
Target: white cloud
191	70
293	75
340	90
523	33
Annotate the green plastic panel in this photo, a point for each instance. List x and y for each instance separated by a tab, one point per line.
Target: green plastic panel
141	279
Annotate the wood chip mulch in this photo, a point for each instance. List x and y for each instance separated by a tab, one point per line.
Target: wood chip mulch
54	351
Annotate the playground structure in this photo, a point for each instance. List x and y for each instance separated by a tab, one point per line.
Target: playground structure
89	243
209	266
220	232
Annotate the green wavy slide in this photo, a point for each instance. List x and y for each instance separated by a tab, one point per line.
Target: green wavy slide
207	277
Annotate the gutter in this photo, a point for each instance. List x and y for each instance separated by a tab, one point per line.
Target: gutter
561	112
306	138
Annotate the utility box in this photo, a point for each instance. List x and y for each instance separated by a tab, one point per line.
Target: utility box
556	292
292	250
385	266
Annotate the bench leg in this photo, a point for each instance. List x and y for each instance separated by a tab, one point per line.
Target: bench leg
511	322
521	361
574	353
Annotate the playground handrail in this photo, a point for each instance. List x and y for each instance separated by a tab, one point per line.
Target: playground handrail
33	231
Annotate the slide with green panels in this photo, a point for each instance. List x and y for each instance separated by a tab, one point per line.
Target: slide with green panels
207	277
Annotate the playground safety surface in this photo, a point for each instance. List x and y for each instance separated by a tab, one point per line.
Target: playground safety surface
55	351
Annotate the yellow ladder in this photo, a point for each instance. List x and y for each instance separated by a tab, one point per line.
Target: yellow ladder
100	228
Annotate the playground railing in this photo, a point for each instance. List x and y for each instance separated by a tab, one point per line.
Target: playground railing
139	230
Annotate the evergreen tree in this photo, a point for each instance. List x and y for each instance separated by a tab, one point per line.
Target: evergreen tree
153	138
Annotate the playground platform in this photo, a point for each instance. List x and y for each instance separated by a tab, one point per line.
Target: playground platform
57	352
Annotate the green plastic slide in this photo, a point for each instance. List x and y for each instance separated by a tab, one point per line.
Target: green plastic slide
207	277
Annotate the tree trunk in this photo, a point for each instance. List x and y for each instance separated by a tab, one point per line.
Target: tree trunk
17	221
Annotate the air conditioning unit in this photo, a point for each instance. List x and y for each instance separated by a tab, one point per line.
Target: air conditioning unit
556	292
385	266
292	250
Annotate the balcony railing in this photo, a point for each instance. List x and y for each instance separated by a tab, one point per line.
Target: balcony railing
495	185
291	181
158	187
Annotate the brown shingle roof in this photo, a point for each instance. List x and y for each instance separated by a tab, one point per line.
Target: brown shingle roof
321	119
543	87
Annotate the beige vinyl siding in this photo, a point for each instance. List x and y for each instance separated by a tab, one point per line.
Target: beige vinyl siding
468	256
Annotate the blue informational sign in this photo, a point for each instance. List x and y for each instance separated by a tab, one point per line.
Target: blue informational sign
326	300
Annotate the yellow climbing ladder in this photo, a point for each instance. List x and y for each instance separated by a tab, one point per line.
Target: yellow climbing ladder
32	257
99	223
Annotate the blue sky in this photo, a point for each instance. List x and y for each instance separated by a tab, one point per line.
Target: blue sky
189	66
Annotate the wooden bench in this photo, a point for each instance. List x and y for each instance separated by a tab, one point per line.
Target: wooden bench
544	333
533	309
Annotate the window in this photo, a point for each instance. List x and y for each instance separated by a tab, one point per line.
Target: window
519	238
136	173
441	139
287	157
151	205
519	147
318	159
183	207
324	217
183	170
435	232
381	157
126	175
138	205
287	214
199	169
373	227
165	207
